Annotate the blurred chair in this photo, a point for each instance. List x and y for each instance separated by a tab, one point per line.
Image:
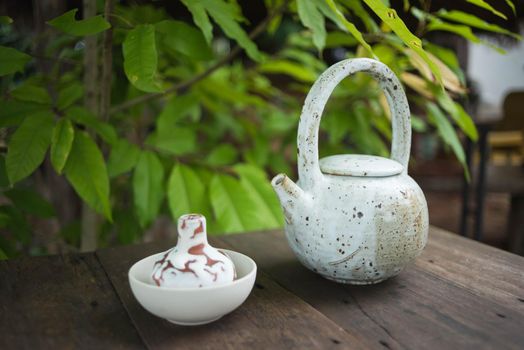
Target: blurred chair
507	139
506	171
502	172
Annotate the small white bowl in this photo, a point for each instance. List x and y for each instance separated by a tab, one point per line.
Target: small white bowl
192	306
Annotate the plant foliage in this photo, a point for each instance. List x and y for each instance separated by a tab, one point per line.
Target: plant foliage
199	114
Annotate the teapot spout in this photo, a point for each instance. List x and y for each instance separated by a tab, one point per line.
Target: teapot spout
288	193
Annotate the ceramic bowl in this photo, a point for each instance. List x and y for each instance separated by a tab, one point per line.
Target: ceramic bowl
192	306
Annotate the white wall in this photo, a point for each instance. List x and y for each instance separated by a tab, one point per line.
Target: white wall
496	74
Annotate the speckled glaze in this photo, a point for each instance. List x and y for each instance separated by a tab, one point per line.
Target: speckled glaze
193	262
354	218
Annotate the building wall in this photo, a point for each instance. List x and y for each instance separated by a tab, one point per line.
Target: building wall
494	74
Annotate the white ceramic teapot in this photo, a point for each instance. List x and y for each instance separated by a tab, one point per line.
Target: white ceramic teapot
354	219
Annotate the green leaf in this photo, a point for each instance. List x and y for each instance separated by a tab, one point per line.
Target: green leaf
512	6
459	115
338	125
61	143
200	18
185	39
148	188
279	164
141	58
30	202
175	140
311	18
13	112
223	154
186	192
82	116
124	156
177	108
386	54
232	206
465	31
446	55
295	70
337	39
365	139
446	131
127	227
6	20
31	93
3	255
72	233
259	153
4	180
280	122
390	18
357	8
141	13
12	60
226	16
473	21
223	14
449	58
418	124
344	24
89	26
272	7
255	183
15	222
228	91
27	147
69	95
461	30
486	6
86	170
307	59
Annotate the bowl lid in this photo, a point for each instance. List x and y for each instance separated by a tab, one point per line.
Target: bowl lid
360	165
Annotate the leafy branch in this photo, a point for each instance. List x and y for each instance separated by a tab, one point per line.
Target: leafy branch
212	142
259	29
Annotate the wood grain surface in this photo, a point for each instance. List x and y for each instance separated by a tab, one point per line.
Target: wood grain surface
61	302
459	294
271	318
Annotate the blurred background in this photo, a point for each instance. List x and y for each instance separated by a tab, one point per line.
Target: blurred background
117	117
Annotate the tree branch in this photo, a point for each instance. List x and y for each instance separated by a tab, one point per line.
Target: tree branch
107	64
186	84
56	59
90	219
421	26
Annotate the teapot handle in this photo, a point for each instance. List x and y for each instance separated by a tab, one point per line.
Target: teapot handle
307	140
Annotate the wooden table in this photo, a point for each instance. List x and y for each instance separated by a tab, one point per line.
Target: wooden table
459	294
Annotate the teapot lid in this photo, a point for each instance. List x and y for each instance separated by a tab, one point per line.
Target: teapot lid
360	165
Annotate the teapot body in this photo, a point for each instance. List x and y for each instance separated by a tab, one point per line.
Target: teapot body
359	230
355	219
